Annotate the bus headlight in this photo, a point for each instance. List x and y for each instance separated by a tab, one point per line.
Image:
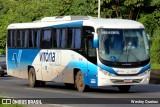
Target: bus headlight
107	73
145	73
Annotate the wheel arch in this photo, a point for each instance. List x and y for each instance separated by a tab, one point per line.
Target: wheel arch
29	66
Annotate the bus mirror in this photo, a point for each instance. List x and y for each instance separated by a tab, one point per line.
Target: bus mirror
148	38
95	41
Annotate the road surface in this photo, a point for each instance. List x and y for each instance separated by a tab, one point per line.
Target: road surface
18	88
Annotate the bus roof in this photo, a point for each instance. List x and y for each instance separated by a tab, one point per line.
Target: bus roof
72	21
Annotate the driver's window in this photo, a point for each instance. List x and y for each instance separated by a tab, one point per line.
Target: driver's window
91	49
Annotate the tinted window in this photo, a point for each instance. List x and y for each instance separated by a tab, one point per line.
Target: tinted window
58	37
91	49
70	38
54	41
77	38
25	38
37	37
74	38
31	38
46	39
63	38
10	38
18	38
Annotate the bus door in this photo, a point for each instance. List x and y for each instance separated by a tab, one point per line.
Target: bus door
56	67
92	61
46	64
51	66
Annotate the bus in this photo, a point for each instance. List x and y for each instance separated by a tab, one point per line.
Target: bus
79	51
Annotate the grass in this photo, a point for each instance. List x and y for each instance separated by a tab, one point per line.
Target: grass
155	66
11	105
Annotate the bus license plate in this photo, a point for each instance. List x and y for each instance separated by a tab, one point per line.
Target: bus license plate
128	81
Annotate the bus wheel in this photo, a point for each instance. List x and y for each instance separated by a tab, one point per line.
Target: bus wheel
124	89
32	78
79	83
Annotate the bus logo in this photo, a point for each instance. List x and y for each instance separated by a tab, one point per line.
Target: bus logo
16	58
47	57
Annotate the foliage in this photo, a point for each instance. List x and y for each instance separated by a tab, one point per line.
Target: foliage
145	11
9	105
155	49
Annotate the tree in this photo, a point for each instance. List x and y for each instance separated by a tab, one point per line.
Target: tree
15	11
155	50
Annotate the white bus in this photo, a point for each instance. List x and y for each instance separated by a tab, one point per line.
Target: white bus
80	51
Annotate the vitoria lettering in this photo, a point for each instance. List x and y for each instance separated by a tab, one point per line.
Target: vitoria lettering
47	56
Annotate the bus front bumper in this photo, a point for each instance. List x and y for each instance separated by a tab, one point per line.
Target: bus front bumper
123	80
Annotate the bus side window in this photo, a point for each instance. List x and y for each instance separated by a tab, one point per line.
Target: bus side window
22	37
25	38
70	38
58	37
77	38
37	37
46	39
15	38
19	38
54	40
74	38
31	38
10	38
63	38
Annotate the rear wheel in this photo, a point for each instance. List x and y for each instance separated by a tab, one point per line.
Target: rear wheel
32	78
79	82
124	89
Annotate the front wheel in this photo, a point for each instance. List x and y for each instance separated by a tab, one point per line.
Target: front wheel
32	78
79	82
124	89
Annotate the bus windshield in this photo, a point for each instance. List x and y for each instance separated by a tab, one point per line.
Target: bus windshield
123	45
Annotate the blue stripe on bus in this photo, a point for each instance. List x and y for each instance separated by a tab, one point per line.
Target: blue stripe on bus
21	57
107	68
72	24
89	71
145	68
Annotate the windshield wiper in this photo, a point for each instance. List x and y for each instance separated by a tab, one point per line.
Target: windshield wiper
129	52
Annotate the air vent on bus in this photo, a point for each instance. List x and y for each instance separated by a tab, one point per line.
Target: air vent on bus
64	18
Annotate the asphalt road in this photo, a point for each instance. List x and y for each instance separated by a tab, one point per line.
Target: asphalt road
18	88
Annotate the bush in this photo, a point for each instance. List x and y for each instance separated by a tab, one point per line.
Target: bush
155	50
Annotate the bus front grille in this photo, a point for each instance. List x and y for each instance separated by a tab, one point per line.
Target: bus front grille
120	81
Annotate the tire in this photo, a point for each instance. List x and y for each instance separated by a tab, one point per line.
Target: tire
32	78
79	82
124	89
